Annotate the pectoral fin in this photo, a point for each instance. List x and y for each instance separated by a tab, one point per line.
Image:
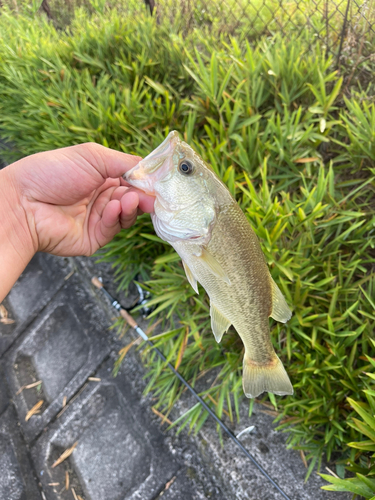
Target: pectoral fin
213	265
219	323
190	277
280	310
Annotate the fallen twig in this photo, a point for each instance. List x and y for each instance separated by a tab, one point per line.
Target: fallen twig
64	455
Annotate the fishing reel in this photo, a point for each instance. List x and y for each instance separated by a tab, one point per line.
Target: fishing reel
144	296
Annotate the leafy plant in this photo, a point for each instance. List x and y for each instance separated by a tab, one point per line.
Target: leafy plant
363	462
359	125
254	112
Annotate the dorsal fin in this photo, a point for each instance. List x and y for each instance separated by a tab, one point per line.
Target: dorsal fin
219	323
280	310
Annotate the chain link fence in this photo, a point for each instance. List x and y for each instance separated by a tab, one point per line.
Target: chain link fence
345	28
339	24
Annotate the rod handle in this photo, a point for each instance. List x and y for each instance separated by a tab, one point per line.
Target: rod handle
95	281
129	319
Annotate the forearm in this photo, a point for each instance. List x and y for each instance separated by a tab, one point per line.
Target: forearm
16	247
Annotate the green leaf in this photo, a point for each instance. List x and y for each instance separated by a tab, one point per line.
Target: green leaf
354	485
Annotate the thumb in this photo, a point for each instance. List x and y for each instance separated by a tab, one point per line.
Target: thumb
108	162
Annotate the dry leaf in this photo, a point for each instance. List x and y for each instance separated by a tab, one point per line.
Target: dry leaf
4	316
67	480
306	160
7	321
163	417
69	275
74	494
228	96
20	390
29	386
290	419
152	327
215	403
73	398
182	348
264	403
332	473
169	483
303	458
123	352
3	311
270	412
34	410
65	455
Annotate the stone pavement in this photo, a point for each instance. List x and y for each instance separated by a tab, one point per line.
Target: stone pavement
58	341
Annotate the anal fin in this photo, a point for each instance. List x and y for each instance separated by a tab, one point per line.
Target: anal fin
190	277
280	310
219	323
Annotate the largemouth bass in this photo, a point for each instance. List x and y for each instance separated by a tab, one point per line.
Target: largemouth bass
197	215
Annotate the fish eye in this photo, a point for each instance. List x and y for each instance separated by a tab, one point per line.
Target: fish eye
186	167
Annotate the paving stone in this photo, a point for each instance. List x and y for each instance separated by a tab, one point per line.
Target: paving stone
4	392
194	481
17	481
181	487
240	479
40	281
120	453
62	347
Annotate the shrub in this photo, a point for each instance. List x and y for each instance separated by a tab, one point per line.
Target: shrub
270	121
363	464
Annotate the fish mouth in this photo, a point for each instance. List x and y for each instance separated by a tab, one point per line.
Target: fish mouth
154	166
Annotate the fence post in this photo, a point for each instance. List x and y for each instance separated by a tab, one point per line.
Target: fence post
343	34
46	8
150	4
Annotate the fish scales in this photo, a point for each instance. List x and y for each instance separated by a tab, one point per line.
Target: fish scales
247	300
195	212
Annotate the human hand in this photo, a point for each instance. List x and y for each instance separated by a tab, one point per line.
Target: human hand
74	198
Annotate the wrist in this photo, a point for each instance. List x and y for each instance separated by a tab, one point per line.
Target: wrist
16	244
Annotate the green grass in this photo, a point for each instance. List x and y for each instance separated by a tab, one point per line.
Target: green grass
299	157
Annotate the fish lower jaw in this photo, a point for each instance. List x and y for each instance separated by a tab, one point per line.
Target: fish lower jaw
140	184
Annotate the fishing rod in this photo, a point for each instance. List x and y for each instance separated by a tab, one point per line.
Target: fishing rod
131	322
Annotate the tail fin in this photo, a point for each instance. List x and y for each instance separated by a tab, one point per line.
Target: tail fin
270	377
